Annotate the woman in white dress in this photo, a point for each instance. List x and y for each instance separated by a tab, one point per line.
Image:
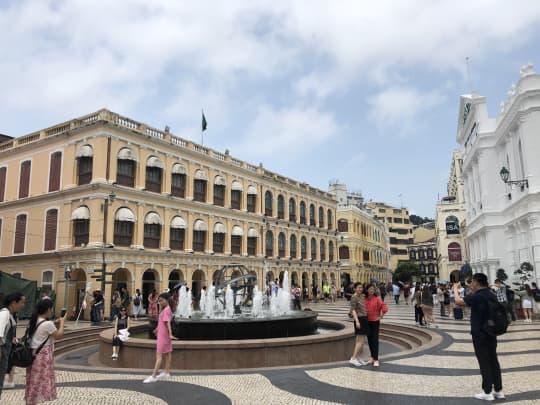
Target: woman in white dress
527	303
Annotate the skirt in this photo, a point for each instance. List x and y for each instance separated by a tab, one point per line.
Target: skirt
526	303
40	381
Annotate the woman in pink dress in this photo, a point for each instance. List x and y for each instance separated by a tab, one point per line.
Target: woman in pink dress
164	335
153	304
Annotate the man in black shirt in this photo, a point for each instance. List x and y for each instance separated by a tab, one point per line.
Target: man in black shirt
485	346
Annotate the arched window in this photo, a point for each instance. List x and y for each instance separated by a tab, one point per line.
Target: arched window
422	268
268	204
154	174
51	225
281	244
343	225
329	219
412	255
330	251
313	248
269	244
85	159
152	230
200	181
81	225
344	253
178	181
252	241
126	163
452	225
430	253
236	195
431	268
292	210
251	199
24	179
280	207
454	252
293	246
177	233
322	250
20	233
312	215
365	254
321	217
47	281
219	191
303	247
236	240
123	227
199	235
219	237
55	171
303	212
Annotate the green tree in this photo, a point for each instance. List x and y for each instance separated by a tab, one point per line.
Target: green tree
405	271
417	220
524	275
501	275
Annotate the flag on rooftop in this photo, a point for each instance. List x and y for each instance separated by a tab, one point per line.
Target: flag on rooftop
203	122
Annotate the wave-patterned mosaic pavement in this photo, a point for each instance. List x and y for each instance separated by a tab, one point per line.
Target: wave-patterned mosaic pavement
446	374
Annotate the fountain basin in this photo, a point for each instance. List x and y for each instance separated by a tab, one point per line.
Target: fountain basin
237	354
296	324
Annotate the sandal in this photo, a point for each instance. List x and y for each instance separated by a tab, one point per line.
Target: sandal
376	363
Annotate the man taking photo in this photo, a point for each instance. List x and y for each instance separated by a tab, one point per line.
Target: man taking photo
485	346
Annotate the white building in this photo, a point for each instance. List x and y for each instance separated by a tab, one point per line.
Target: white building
503	226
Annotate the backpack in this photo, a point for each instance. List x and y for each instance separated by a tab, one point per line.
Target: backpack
536	295
510	295
497	321
21	353
136	301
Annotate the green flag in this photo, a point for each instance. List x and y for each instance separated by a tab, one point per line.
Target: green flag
203	122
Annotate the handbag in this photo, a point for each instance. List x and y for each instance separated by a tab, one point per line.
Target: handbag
22	354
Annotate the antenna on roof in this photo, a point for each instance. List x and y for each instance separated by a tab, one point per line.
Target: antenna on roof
469	81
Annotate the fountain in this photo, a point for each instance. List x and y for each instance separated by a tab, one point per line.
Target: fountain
233	309
238	326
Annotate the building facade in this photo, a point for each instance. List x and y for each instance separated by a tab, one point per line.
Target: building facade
424	255
362	245
503	206
450	220
107	202
400	230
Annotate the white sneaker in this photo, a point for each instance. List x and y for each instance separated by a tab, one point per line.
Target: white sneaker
498	394
149	380
484	397
355	362
8	385
163	376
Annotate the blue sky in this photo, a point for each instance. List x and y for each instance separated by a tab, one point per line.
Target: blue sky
315	90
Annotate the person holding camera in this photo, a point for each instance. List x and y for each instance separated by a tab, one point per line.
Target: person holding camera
485	346
40	376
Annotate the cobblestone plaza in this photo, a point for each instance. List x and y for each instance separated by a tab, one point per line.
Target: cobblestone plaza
444	371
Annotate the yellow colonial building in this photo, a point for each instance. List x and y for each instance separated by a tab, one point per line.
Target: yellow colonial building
112	202
363	246
400	230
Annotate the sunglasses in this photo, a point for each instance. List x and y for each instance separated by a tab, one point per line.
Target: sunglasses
123	310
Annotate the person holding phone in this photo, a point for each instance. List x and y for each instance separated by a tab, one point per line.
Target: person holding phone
40	377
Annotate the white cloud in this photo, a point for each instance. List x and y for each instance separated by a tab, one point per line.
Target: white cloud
285	134
399	109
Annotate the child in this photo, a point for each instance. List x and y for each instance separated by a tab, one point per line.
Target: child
164	335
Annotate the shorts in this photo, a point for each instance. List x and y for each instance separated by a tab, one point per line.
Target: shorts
363	326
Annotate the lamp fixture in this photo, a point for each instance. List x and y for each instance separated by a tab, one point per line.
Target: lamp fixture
505	177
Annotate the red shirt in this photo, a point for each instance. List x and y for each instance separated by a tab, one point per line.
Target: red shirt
374	308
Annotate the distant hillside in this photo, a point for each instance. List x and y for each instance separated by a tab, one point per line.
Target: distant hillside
416	220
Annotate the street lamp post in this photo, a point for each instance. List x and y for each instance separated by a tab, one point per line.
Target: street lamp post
505	177
67	278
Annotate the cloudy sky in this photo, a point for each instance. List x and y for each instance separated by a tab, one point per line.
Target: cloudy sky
316	90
